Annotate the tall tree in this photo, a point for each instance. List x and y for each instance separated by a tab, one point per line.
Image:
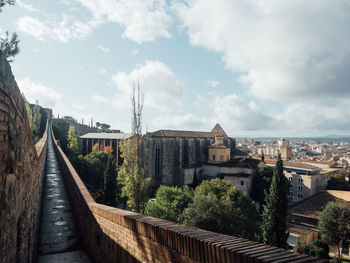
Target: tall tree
275	209
134	183
334	225
110	182
261	184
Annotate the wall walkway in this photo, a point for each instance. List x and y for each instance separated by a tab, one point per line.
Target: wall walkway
59	239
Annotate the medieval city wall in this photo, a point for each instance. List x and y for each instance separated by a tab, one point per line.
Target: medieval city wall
115	235
21	168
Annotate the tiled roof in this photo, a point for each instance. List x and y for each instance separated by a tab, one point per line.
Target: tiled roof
312	207
178	133
217	130
299	165
240	162
103	135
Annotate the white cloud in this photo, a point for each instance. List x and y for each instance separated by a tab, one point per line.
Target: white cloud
143	20
33	27
162	88
134	52
282	50
99	99
102	70
33	92
63	30
213	83
185	122
103	49
28	7
233	111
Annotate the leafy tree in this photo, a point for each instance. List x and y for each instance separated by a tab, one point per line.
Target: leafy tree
105	126
9	45
275	210
72	141
110	182
219	206
6	2
93	167
98	124
316	248
69	118
170	202
131	176
338	182
334	225
260	184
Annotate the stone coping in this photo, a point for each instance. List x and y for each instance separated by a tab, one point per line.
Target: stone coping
196	245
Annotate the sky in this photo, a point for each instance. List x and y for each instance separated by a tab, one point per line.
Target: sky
259	67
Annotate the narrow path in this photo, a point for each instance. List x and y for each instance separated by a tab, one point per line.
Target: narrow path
58	239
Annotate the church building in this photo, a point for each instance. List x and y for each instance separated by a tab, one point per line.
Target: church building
177	158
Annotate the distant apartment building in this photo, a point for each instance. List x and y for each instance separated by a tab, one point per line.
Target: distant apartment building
305	179
282	147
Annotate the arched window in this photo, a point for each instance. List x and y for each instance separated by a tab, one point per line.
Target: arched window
221	157
158	166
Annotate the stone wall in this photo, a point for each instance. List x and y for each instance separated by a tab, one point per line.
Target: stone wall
176	153
21	167
80	129
114	235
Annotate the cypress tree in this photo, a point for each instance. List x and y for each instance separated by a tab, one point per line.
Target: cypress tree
110	182
275	209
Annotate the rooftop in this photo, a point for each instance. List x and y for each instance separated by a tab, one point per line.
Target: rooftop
104	135
217	130
312	207
239	162
294	165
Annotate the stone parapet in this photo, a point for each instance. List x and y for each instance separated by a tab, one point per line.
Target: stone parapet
115	235
21	167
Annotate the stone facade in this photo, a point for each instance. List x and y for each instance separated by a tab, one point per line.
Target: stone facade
168	154
21	166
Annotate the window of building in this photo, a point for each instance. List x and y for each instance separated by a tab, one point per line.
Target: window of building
158	164
300	195
290	185
290	193
293	239
242	182
214	157
290	178
300	180
300	188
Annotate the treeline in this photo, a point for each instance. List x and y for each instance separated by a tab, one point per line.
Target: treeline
37	118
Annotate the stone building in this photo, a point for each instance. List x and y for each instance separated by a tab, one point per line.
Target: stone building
173	157
172	154
102	140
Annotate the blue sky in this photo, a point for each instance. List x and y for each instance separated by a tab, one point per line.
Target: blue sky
259	68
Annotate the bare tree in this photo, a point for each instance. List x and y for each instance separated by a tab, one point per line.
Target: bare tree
132	176
137	100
